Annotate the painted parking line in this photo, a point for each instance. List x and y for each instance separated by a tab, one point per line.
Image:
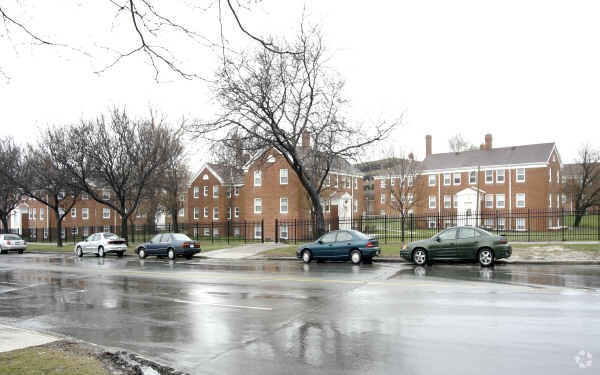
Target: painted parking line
225	305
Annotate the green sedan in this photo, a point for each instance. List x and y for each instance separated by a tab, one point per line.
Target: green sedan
467	243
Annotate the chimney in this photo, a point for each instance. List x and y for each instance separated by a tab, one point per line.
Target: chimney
305	139
411	156
427	145
488	142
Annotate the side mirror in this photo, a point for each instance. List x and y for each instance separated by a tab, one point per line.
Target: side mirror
437	239
320	242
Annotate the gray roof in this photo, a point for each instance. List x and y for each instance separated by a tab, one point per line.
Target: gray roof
526	154
388	166
229	174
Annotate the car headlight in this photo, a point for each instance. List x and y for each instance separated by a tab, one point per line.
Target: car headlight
405	247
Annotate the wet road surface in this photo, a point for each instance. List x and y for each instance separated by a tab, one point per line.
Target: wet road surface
266	317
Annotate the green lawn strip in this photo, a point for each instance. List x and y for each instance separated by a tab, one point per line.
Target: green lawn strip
47	361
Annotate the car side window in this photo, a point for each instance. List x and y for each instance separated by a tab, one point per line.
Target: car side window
344	236
449	234
329	237
465	233
165	238
155	239
93	237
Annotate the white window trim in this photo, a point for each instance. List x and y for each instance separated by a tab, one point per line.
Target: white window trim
287	203
85	213
517	175
449	175
430	178
196	192
491	173
257	200
106	213
474	182
459	178
236	212
503	200
205	190
432	199
205	212
257	178
283	175
517	200
498	174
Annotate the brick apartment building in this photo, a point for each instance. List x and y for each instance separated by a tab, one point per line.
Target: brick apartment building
250	200
490	187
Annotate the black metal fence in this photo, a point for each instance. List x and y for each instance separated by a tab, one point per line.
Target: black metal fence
517	225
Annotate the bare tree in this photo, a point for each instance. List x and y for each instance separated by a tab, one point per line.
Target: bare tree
234	150
583	185
123	155
44	180
403	184
174	182
458	143
275	99
10	155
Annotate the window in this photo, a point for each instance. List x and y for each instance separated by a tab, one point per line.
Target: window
258	205
205	191
431	180
448	234
196	192
62	194
327	206
382	212
432	201
382	198
335	183
73	212
105	195
489	176
206	232
501	223
489	201
348	182
550	175
283	231
283	205
431	223
328	237
257	178
343	236
106	213
257	231
228	193
557	177
473	177
355	183
520	174
520	223
328	180
520	200
236	212
550	222
392	181
181	212
447	201
557	200
549	200
457	179
283	176
382	183
236	191
215	191
500	202
564	199
34	214
355	205
455	201
500	176
216	232
228	213
216	213
41	213
465	233
86	231
85	196
196	213
447	178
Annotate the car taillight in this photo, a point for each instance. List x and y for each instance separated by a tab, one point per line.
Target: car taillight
196	244
503	241
370	244
186	245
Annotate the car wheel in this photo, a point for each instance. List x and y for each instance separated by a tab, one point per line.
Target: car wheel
79	251
171	254
101	252
142	253
120	254
485	257
3	251
356	257
189	257
19	251
420	257
306	256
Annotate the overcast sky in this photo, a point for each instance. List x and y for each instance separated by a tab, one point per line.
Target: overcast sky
525	71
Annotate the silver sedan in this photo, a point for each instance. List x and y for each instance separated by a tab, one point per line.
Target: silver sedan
12	242
101	244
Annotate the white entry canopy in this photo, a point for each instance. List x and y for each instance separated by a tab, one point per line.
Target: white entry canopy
467	206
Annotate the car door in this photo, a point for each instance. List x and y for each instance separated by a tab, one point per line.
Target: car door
467	243
88	246
153	244
444	244
324	247
343	244
165	242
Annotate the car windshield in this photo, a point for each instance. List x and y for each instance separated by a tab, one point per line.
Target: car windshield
360	235
484	232
110	236
180	237
11	237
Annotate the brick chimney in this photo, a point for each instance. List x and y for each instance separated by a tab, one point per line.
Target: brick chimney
488	142
427	145
305	139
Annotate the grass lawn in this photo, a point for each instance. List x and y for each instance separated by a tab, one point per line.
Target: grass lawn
43	360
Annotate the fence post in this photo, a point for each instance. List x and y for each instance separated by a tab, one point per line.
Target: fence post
562	222
276	230
528	225
262	230
212	231
385	229
295	231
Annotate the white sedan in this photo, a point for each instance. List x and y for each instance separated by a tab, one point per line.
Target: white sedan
100	244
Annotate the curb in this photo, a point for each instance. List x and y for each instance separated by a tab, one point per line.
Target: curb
499	261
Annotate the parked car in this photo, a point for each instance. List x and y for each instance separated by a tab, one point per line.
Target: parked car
466	243
170	245
12	242
101	244
341	245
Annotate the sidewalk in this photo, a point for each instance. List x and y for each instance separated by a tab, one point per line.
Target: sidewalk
240	252
12	338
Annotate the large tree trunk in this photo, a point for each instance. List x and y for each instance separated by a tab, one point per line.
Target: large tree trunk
5	227
175	220
59	239
124	227
578	216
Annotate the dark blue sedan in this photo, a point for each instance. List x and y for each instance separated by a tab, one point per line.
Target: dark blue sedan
169	245
341	245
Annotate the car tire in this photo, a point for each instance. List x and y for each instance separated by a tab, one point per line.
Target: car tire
120	254
486	257
189	257
101	252
3	251
79	251
171	254
306	256
356	257
19	251
420	257
141	253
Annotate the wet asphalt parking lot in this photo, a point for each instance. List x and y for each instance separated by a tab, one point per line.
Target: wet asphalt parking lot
274	317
